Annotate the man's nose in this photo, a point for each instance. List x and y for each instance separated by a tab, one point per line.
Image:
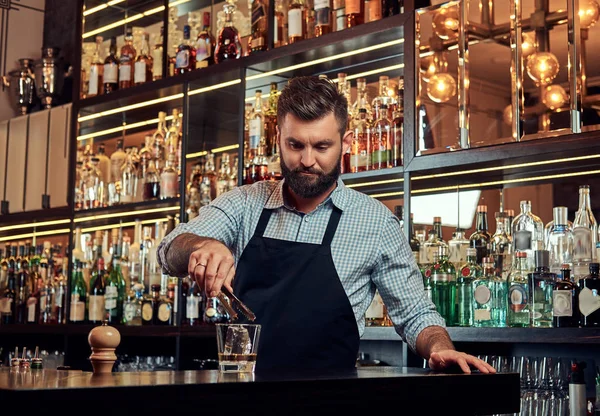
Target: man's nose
308	158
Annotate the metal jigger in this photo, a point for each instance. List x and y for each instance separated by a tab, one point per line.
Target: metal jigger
103	340
22	84
49	77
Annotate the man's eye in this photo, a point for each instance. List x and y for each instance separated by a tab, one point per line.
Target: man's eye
295	145
322	147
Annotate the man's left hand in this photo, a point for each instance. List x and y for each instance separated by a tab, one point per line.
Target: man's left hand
446	359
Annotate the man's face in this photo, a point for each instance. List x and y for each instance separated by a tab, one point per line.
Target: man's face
311	152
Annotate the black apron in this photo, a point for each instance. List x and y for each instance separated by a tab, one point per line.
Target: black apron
294	290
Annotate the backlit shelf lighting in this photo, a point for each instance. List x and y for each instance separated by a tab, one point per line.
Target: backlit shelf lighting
120	128
36	234
130	107
35	224
215	150
101	7
383	182
125	214
123	225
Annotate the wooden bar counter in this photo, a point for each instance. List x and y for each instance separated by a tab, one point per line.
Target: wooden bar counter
406	391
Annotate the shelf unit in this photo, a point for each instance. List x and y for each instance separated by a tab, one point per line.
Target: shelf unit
230	84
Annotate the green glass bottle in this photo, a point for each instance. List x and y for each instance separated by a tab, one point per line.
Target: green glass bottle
464	289
78	296
489	297
519	301
114	292
443	286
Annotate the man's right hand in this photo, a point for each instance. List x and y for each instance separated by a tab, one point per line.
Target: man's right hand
212	265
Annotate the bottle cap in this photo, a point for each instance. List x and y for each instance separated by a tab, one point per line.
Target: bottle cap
559	214
481	208
521	254
437	219
510	212
542	258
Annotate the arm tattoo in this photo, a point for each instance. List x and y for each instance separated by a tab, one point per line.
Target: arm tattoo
178	255
432	339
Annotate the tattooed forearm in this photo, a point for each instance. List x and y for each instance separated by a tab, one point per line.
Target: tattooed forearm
432	339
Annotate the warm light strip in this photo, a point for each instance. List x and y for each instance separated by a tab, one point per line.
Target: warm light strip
372	72
34	224
124	224
387	194
130	107
251	99
125	214
120	128
177	3
214	87
215	150
101	7
519	165
506	182
387	181
37	234
326	59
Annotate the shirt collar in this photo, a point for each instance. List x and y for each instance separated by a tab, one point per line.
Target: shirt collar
339	196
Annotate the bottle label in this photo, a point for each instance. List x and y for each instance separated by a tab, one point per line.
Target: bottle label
376	308
442	277
96	308
374	10
482	294
428	293
277	29
295	23
202	52
43	302
589	301
147	311
111	74
562	303
323	12
192	309
517	297
322	4
93	83
31	304
522	240
129	312
182	60
482	315
353	6
257	14
168	184
125	71
6	306
77	308
164	312
139	72
157	55
457	252
582	244
255	133
110	297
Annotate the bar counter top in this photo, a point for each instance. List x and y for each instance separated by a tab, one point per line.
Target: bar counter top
409	390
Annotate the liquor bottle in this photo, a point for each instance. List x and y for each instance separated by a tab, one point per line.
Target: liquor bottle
258	35
115	285
77	253
309	16
4	267
542	287
205	44
173	137
157	57
127	60
464	288
585	229
193	303
132	307
135	252
169	179
117	160
457	248
362	100
47	291
382	130
214	313
260	163
150	306
185	59
519	300
355	12
322	17
111	69
510	216
376	314
274	166
166	308
426	274
78	295
481	239
501	246
431	246
559	241
397	129
565	301
443	283
270	116
144	64
224	183
489	298
22	286
279	24
296	21
257	125
360	151
159	152
228	40
97	306
589	297
7	301
96	81
59	312
527	233
391	7
415	244
103	164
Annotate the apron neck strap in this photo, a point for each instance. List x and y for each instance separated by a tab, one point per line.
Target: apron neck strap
334	220
262	222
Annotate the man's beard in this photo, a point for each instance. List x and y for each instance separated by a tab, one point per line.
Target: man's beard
306	186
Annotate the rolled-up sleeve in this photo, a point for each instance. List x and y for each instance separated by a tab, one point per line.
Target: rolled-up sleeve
400	285
219	220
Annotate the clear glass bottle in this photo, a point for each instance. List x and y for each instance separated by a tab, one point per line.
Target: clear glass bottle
396	157
360	150
157	57
296	21
560	241
228	39
132	306
585	234
565	301
431	246
382	132
589	298
464	288
489	298
159	151
527	233
481	238
519	299
129	178
96	82
142	70
205	44
151	184
169	179
542	287
117	160
256	125
193	303
457	247
443	286
501	246
376	314
224	176
274	166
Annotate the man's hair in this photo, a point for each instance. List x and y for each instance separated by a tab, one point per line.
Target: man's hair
310	98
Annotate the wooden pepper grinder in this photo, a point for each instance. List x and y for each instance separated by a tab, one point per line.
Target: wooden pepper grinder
103	339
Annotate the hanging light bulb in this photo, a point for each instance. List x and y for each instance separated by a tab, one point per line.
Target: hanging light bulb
507	114
527	45
441	87
542	67
588	13
433	64
446	23
554	97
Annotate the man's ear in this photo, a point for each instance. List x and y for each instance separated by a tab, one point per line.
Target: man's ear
347	141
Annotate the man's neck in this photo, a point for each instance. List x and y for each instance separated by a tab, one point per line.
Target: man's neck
306	205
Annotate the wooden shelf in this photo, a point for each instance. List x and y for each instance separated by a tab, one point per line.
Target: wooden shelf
36	216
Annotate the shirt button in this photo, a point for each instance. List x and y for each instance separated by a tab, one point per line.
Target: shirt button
306	219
